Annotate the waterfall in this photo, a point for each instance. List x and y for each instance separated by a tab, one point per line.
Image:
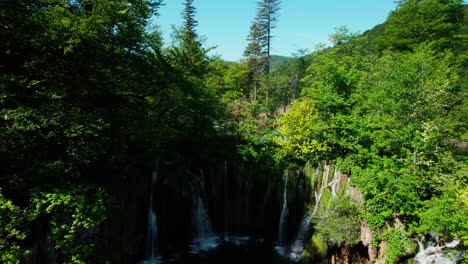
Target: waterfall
284	213
319	185
433	252
299	243
334	184
226	203
152	233
205	239
202	220
319	189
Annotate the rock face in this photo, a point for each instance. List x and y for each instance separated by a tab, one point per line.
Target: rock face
362	253
330	184
349	255
366	239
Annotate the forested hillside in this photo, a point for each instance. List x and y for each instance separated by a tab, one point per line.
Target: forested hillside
92	101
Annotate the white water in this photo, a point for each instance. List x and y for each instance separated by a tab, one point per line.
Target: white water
298	246
284	213
319	185
205	239
226	208
319	188
432	252
238	240
152	233
202	221
334	184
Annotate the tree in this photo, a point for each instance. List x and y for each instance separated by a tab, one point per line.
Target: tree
267	17
416	21
190	39
78	91
189	21
259	40
187	53
259	47
253	52
301	132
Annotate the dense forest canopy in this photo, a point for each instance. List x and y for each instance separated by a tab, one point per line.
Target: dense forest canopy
90	95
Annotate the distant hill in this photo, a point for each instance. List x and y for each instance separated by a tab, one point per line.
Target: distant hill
277	60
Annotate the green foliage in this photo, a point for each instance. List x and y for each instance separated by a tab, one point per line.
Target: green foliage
227	80
338	221
75	215
400	153
394	117
84	86
433	217
316	249
300	129
12	232
399	244
417	21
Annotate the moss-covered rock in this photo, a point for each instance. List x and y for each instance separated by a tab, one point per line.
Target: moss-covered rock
316	250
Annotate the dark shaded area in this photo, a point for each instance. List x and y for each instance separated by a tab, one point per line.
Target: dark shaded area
252	252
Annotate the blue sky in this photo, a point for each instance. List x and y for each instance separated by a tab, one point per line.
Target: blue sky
302	23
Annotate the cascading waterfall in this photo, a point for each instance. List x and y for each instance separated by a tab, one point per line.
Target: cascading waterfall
299	243
282	223
205	239
320	184
202	220
152	235
431	252
284	213
335	182
226	202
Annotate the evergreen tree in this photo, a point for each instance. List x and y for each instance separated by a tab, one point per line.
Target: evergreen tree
190	56
253	53
189	34
258	49
267	17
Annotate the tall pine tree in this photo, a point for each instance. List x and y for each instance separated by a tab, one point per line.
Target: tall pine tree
189	33
253	53
260	34
192	55
267	17
258	50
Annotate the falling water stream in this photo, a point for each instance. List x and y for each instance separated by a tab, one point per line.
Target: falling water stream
281	247
226	201
205	239
207	246
284	213
334	183
152	256
432	251
320	183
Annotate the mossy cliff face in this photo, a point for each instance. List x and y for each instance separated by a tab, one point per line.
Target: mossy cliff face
340	236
